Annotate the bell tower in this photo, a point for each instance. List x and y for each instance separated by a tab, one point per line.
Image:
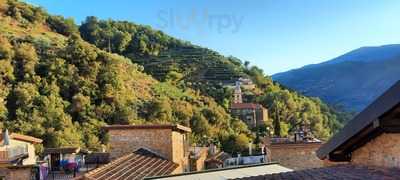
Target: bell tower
237	95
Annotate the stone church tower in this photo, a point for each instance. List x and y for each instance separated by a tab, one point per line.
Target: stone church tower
237	95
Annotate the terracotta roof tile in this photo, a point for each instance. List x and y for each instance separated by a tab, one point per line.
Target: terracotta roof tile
137	165
61	150
219	157
246	106
348	172
23	138
149	126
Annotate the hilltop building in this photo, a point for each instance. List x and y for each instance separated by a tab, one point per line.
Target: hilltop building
245	83
252	114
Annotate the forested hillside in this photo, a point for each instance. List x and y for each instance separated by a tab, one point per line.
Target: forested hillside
58	87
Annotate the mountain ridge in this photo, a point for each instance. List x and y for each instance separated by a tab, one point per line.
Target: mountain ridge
335	80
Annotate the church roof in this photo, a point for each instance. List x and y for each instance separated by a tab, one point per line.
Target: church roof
246	106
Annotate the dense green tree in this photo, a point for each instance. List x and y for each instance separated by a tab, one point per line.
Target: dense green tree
25	62
61	25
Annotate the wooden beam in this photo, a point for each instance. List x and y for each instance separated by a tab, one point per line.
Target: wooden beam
344	152
389	122
391	129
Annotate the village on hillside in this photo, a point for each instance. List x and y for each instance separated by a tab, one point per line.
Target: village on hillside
367	147
92	90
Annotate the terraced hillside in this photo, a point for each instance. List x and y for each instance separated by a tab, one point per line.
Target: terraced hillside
198	64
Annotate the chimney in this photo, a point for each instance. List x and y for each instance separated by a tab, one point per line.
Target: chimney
212	149
6	138
250	148
262	148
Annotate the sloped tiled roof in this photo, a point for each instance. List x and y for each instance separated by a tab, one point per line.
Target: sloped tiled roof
246	106
61	150
137	165
21	137
176	127
348	172
219	157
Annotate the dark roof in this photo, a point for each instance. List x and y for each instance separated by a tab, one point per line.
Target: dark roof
97	158
62	150
307	140
137	165
246	106
21	137
348	172
228	172
219	157
295	144
156	126
363	124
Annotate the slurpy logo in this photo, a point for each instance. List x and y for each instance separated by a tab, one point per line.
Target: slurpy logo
199	20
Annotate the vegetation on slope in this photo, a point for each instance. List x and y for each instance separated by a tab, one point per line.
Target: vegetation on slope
57	87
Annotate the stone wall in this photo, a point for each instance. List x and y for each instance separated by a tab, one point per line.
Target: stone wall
383	151
124	141
180	151
16	173
296	156
262	116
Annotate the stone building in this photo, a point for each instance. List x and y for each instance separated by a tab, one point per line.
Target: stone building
296	155
252	114
167	141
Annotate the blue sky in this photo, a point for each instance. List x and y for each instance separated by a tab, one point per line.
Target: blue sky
276	35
